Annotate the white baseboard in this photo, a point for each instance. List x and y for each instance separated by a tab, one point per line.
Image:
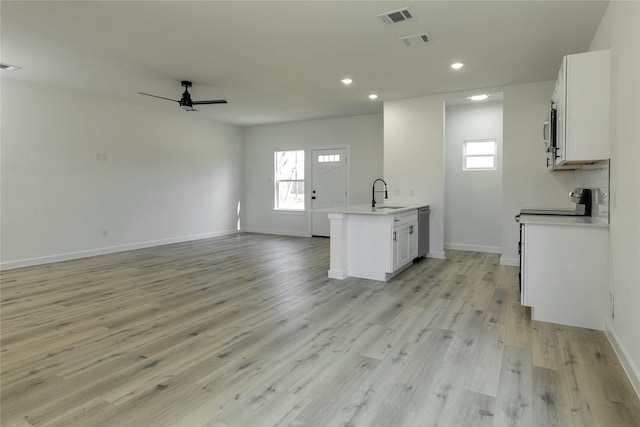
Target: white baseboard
107	250
632	371
276	232
436	255
338	274
515	262
473	248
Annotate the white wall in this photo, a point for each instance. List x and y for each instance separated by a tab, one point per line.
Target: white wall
167	177
473	199
619	30
526	181
361	134
414	159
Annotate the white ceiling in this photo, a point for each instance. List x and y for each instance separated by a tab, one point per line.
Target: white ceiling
280	61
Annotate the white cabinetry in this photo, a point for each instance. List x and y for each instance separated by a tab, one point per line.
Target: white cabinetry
374	245
564	273
404	235
581	98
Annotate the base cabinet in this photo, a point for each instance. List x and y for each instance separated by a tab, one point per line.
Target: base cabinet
405	244
564	273
373	247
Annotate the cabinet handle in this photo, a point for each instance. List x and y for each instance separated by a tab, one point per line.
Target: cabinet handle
394	236
411	229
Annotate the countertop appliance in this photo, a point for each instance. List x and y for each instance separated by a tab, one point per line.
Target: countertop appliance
582	197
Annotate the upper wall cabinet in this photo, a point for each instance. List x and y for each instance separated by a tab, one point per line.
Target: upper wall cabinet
581	100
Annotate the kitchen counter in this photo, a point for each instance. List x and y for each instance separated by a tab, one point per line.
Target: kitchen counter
366	209
583	221
372	243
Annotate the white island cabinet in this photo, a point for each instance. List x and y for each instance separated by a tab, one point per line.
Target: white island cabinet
564	264
372	243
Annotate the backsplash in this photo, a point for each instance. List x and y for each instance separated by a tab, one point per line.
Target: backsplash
596	177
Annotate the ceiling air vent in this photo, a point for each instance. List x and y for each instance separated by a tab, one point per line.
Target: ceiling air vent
396	16
416	39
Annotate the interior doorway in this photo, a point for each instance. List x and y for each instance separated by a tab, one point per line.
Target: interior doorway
329	186
473	178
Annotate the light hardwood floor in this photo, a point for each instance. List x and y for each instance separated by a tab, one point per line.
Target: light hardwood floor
247	330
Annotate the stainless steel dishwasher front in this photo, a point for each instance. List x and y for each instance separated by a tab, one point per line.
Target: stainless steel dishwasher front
423	230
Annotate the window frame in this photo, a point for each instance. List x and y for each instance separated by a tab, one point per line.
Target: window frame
493	155
277	181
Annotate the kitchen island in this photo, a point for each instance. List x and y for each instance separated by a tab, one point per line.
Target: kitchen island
372	243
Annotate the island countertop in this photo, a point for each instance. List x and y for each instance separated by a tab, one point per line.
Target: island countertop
366	209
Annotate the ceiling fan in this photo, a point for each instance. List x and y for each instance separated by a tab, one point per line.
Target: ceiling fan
185	102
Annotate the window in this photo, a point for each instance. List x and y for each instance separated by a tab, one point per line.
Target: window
329	158
479	155
289	180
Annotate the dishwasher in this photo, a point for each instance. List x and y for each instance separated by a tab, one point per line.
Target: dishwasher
423	231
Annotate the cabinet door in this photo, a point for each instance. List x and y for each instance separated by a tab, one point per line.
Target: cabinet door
413	240
396	235
405	244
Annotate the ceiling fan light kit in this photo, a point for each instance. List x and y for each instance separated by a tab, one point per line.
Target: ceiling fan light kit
186	103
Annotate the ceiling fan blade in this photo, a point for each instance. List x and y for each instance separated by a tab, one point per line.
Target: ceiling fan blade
156	96
215	101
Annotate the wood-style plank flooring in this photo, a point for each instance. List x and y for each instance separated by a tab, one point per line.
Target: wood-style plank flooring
247	330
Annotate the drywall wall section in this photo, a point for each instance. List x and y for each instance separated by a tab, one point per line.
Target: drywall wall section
83	175
362	135
473	199
526	181
620	32
414	159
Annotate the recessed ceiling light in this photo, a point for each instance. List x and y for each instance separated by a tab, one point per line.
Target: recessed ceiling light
457	65
478	97
373	96
9	67
346	81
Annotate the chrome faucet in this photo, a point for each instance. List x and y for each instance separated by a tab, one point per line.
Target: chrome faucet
373	192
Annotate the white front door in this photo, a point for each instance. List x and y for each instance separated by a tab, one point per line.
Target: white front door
329	186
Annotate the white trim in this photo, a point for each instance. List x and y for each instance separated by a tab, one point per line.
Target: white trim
632	371
436	255
515	262
473	248
8	265
277	232
494	155
338	274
